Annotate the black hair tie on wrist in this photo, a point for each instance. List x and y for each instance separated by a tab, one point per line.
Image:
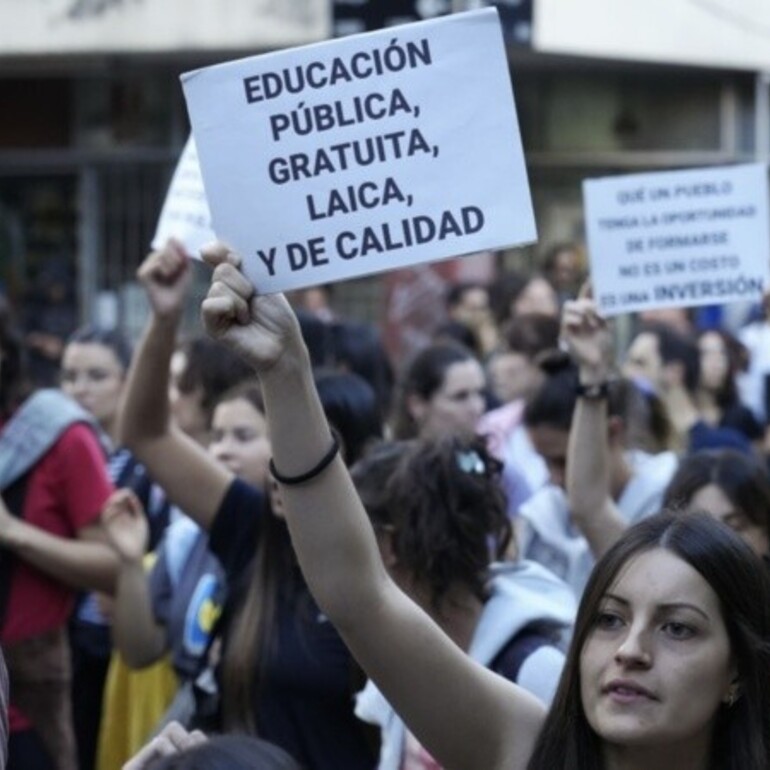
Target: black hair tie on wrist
316	470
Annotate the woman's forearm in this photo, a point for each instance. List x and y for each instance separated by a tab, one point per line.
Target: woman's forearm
136	635
84	563
328	526
145	411
588	476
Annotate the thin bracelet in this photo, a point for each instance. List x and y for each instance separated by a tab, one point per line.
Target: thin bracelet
316	470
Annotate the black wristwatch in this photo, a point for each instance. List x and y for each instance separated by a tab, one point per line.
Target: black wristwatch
594	392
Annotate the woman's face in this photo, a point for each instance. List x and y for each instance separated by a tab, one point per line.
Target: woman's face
92	374
656	666
457	405
537	296
714	362
715	502
240	440
513	375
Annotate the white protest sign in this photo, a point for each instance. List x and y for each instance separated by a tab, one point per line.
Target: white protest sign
185	214
678	238
363	154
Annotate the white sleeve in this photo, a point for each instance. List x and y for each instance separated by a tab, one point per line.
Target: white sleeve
541	671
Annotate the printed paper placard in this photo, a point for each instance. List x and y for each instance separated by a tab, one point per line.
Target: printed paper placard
364	154
185	214
678	238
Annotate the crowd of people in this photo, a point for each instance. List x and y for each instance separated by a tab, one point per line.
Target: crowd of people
533	545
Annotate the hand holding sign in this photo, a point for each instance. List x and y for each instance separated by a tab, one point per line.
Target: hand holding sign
260	328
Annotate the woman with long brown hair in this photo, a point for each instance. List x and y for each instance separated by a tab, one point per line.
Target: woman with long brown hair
284	671
669	665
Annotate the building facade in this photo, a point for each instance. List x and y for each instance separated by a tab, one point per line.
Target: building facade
94	119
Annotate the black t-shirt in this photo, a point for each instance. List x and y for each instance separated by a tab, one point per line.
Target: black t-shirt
741	418
305	699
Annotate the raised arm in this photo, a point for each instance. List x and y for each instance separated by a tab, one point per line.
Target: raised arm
190	477
588	454
464	715
135	632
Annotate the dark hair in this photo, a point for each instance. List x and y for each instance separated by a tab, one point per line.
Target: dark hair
456	291
531	334
458	333
230	752
248	390
13	380
506	290
351	407
212	368
550	266
358	348
423	377
503	293
741	478
351	347
251	637
444	501
111	339
674	347
735	352
554	403
740	581
548	260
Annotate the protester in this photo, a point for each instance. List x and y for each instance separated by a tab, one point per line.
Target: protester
94	366
669	363
54	484
443	391
515	376
754	381
716	396
349	346
599	483
440	517
176	608
513	370
199	372
564	267
515	293
284	670
669	665
621	480
468	308
730	486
